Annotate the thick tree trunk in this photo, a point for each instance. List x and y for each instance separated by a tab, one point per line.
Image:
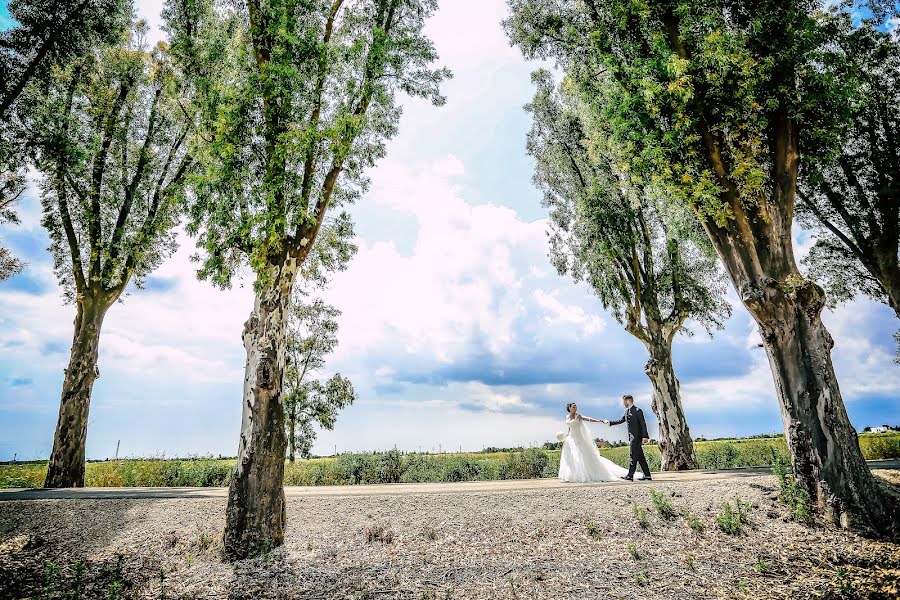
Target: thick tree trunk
824	447
66	467
255	516
676	447
292	424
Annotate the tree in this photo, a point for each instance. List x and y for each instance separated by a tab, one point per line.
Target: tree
296	100
312	335
713	101
110	142
649	263
48	33
9	264
852	200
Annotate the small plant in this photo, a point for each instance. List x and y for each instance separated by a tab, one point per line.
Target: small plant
641	577
689	561
379	533
694	521
431	533
79	574
593	530
512	586
663	505
114	591
793	495
761	566
204	541
309	546
844	583
448	593
162	584
731	520
51	571
633	551
640	513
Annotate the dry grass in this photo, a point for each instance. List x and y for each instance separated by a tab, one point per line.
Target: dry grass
574	542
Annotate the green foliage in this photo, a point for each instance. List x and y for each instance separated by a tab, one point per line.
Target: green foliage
794	496
640	515
109	137
695	523
593	530
851	199
295	101
415	468
529	464
311	336
649	263
47	34
732	520
663	505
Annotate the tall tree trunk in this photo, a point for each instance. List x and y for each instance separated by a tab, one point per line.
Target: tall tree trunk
292	424
255	516
676	447
66	467
758	253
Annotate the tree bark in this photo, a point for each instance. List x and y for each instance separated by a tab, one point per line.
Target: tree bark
292	424
676	447
255	515
824	447
66	468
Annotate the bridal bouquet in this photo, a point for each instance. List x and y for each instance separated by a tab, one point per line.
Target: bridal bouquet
560	436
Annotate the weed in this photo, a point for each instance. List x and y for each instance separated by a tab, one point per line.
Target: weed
309	546
844	583
792	494
633	551
689	561
512	586
640	513
761	566
79	574
663	505
695	522
641	577
431	533
729	520
114	591
593	530
162	584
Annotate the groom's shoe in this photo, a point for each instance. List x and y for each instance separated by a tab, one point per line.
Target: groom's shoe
647	478
627	478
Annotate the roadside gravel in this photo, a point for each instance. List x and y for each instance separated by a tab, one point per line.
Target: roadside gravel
569	542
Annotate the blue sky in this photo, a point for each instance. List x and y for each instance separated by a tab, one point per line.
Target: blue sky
455	330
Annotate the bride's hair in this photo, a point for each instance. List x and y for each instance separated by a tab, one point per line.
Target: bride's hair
568	406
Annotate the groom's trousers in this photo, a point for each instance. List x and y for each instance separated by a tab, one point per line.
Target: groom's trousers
637	457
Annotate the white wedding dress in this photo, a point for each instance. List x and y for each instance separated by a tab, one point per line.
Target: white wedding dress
580	460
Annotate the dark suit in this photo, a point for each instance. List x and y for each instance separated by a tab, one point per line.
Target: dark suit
637	431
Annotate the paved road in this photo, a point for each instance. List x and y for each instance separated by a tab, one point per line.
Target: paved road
385	489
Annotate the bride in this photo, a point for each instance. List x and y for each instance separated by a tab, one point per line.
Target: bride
580	460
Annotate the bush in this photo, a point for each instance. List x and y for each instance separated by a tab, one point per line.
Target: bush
390	467
663	505
529	464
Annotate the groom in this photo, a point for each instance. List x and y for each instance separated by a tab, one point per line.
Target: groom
637	434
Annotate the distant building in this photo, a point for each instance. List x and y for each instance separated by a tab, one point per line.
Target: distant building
880	429
601	443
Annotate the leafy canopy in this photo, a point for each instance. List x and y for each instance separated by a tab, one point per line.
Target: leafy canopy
296	99
110	141
648	262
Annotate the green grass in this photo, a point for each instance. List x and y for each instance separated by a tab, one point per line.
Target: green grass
395	467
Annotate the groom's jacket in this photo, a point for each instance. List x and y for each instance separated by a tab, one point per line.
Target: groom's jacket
637	427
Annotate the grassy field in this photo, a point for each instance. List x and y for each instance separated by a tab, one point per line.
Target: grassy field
396	467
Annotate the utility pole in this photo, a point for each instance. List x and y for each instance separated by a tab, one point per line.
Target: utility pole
116	457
